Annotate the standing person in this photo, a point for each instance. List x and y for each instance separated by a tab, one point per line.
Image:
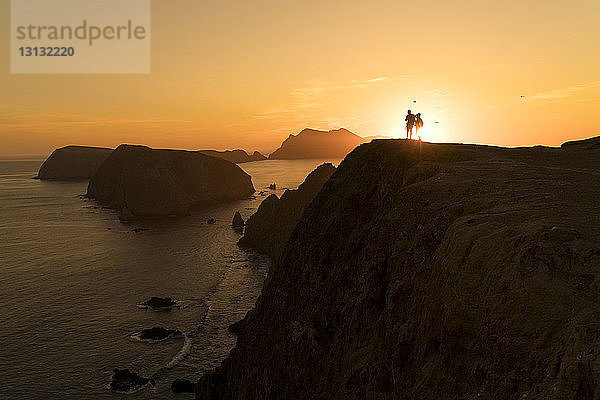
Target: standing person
418	124
410	122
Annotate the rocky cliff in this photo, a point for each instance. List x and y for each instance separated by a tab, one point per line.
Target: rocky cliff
270	227
144	182
73	163
312	143
432	271
235	156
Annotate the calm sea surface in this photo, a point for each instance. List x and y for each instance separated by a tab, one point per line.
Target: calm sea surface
72	276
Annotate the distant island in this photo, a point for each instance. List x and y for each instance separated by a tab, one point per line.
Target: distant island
73	163
81	162
312	143
235	156
141	182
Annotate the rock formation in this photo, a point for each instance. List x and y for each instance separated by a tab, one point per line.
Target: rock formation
159	303
125	381
238	221
432	271
235	156
73	163
142	182
158	334
182	386
312	143
270	227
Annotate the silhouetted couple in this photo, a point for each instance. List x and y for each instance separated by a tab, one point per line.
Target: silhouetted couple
413	120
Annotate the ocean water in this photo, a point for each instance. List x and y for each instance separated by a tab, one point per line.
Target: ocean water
72	276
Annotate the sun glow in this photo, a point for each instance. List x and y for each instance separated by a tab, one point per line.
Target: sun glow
433	129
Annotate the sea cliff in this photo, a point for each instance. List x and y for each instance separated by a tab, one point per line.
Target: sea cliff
432	271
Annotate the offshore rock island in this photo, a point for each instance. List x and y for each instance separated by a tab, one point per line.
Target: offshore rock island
313	143
432	271
235	156
73	163
141	182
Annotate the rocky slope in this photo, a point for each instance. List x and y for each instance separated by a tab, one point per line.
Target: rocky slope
235	156
73	163
271	226
432	271
312	143
143	182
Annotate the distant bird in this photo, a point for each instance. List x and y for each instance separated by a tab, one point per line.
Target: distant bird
436	122
414	101
522	96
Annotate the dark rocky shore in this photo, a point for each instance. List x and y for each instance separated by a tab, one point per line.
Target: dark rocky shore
141	182
432	271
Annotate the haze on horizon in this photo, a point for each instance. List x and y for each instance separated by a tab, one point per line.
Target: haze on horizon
247	74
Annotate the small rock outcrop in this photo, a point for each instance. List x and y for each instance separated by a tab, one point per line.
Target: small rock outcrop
159	303
235	156
141	182
312	143
238	221
270	227
432	271
125	381
73	163
183	386
158	334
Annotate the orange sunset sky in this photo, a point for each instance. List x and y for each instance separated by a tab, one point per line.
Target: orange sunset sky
245	74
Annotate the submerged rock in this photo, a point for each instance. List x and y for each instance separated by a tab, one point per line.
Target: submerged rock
158	334
125	381
270	227
73	163
432	271
236	328
238	221
158	303
160	183
126	215
183	386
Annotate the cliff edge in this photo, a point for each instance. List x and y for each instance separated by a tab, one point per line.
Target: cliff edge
142	182
432	271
